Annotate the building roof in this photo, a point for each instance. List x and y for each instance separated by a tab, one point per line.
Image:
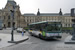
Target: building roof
29	14
12	2
67	14
49	14
42	14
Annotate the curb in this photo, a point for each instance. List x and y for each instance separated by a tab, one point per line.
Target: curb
69	41
16	42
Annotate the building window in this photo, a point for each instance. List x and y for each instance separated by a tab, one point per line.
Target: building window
65	25
14	24
68	25
30	21
27	20
9	24
4	26
8	17
4	17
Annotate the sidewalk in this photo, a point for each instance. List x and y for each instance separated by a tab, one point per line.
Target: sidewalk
69	41
63	46
7	37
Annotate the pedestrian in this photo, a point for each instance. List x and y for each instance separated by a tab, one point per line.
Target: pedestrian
22	32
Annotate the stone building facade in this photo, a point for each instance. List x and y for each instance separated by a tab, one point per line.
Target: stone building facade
66	19
25	19
6	17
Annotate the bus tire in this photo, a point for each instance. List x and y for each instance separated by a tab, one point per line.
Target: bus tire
41	37
31	33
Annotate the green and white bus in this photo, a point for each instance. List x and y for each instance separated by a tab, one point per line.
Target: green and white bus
46	29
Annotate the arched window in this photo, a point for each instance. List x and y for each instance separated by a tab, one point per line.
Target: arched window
14	24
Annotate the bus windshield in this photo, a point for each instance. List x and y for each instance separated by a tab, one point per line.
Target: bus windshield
53	28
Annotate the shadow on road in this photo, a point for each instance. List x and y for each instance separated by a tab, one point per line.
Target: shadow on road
48	39
52	40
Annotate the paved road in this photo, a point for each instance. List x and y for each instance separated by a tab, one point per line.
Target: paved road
35	43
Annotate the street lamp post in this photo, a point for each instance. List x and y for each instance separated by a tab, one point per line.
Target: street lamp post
12	13
12	32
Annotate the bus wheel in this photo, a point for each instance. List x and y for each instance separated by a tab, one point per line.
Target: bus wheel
31	33
41	37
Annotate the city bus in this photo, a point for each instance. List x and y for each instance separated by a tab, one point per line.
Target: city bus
46	29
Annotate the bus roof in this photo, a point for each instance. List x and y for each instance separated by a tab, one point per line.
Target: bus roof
38	22
45	22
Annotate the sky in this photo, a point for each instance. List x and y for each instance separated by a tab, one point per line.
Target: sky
45	6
